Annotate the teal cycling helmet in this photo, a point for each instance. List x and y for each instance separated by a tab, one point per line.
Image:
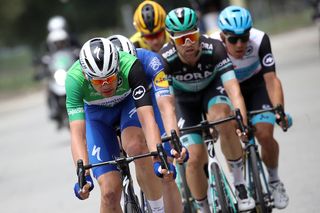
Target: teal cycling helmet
235	19
181	19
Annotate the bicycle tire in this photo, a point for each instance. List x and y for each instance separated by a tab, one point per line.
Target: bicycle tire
188	206
132	207
220	187
258	194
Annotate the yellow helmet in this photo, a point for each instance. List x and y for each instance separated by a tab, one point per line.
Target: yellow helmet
149	17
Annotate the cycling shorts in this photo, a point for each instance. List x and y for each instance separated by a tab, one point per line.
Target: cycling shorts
256	97
190	108
102	143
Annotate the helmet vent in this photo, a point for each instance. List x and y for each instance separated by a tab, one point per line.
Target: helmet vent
148	16
88	64
110	57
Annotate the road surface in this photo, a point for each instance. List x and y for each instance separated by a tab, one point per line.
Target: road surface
36	170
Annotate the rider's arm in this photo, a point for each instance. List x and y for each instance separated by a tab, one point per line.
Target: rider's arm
75	109
273	83
78	141
142	97
274	88
233	90
165	99
229	80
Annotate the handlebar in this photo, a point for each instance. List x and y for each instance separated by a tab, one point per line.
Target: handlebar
277	109
120	162
80	172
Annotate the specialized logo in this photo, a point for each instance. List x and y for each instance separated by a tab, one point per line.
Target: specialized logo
120	80
220	89
181	123
97	51
179	12
96	151
160	80
138	92
155	63
131	112
268	60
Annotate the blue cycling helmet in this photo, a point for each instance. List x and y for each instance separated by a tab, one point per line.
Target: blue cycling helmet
235	19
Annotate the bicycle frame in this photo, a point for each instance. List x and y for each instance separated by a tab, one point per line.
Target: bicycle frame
131	201
254	167
221	196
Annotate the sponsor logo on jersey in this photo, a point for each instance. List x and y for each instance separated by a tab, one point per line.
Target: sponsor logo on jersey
207	46
249	50
268	60
193	76
138	92
155	63
160	80
169	52
222	63
75	111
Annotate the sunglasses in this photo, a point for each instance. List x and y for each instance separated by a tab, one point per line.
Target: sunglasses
182	39
234	39
154	35
108	80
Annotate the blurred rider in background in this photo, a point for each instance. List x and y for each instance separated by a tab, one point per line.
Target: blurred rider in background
148	20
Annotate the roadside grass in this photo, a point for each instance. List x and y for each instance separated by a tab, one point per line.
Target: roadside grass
285	22
16	70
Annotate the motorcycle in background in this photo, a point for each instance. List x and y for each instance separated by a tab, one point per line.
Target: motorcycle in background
58	65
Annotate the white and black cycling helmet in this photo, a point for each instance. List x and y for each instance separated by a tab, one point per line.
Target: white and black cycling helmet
122	43
99	58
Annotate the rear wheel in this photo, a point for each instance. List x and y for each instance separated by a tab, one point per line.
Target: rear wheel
220	188
258	194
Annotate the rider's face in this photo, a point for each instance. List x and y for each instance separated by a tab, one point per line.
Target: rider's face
236	45
187	44
156	40
106	88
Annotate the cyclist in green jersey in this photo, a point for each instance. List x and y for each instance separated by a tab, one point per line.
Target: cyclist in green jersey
106	87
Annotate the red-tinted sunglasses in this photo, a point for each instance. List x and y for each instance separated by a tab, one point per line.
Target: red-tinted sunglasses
153	35
182	39
108	80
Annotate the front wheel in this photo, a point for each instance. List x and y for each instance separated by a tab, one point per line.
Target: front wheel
257	186
220	188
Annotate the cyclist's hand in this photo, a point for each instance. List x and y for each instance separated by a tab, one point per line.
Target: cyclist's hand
243	135
181	157
287	118
83	193
163	173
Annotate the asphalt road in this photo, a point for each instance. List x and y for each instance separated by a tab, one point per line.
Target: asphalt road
36	170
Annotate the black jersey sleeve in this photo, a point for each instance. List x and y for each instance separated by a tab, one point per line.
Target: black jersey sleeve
138	83
266	56
221	60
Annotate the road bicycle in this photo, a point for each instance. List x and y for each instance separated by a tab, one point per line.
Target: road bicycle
254	172
131	201
221	195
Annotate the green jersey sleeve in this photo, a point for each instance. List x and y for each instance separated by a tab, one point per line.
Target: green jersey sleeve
75	94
